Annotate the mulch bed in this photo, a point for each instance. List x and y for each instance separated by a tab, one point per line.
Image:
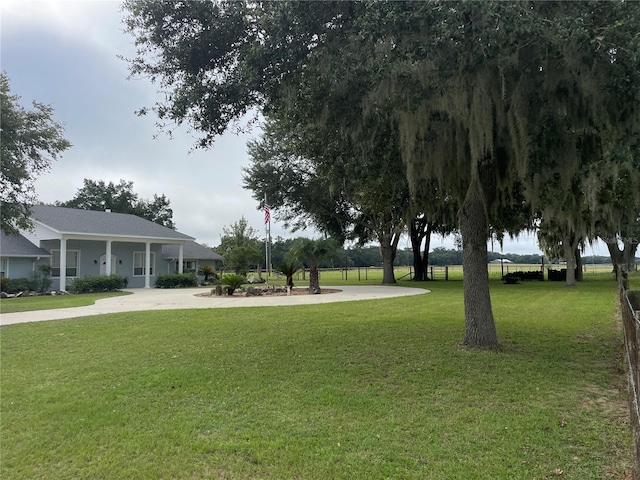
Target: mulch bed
269	291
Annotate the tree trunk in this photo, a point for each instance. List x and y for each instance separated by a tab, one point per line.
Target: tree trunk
616	257
629	255
570	247
419	230
314	280
418	266
425	255
480	330
622	259
388	253
579	269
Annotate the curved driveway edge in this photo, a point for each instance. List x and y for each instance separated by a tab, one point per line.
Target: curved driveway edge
173	299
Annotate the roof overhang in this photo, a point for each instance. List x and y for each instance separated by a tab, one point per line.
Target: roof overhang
28	255
120	238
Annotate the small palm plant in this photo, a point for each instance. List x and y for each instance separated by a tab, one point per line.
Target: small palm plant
313	252
207	271
232	281
288	267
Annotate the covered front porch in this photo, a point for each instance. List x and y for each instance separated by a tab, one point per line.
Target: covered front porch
137	261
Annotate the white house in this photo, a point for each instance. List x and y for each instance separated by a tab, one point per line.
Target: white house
90	243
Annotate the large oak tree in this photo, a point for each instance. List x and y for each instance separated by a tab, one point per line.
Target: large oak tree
492	100
29	141
349	191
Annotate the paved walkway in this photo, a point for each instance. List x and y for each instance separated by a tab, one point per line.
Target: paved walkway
160	299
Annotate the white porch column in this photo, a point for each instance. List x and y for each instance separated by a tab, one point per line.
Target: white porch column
147	265
181	259
107	258
63	264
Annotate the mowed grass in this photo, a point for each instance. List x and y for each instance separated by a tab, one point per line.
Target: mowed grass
373	389
48	302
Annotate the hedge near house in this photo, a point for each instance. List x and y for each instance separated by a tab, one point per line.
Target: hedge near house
98	283
177	280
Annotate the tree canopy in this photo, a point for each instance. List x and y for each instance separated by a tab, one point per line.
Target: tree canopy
507	108
120	198
29	141
350	190
240	246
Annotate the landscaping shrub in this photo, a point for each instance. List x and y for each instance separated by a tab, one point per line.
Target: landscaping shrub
208	272
515	277
16	285
41	278
177	280
232	281
101	283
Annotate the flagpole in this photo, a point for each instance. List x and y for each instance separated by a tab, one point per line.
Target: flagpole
267	237
270	266
265	207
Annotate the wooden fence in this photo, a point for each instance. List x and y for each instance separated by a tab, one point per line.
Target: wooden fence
630	306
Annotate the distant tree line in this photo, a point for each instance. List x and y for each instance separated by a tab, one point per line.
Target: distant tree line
370	256
120	198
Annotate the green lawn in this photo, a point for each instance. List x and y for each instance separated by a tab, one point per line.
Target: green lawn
48	302
364	390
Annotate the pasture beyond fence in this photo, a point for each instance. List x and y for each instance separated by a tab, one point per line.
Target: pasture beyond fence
630	307
373	274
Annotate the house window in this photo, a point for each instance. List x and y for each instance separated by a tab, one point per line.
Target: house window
4	267
139	266
73	260
189	266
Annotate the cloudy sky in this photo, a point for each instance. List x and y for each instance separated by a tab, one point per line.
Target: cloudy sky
65	53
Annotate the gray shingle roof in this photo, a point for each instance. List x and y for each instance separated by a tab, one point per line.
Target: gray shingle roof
19	246
89	222
192	250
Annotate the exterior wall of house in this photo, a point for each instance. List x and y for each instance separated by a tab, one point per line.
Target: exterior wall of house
91	260
38	232
20	267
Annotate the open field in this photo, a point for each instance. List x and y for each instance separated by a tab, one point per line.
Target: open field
373	389
373	275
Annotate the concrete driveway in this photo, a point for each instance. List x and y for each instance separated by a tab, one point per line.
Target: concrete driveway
171	299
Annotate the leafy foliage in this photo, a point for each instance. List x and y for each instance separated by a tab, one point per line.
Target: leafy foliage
29	141
508	108
231	282
120	198
288	268
177	280
240	247
98	283
345	187
208	271
39	281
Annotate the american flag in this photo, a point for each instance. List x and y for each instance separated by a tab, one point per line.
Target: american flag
267	214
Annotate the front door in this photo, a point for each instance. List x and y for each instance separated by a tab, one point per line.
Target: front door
103	264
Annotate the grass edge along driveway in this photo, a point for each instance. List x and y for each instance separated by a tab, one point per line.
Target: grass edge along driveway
372	389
